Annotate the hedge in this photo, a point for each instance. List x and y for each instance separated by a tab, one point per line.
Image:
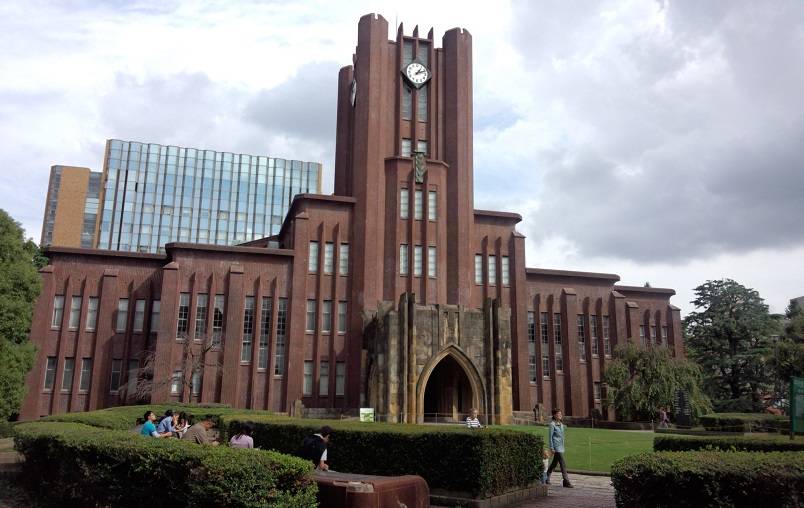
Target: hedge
745	422
6	429
711	478
80	465
757	443
476	463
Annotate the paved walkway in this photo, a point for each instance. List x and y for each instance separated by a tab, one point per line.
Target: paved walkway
589	492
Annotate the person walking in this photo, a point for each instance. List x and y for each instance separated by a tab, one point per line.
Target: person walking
555	440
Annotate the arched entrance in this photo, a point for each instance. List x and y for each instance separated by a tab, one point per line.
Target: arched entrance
448	395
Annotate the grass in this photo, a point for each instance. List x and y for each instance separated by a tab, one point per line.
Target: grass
596	449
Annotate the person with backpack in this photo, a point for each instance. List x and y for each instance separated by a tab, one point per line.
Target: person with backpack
314	448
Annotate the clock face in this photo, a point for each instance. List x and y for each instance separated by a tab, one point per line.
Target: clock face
416	73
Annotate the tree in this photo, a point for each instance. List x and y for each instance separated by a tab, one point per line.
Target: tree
730	338
19	288
641	379
787	360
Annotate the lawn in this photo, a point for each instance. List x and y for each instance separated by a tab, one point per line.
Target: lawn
596	449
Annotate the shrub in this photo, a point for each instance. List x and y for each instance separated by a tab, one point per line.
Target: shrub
478	463
759	443
82	465
745	422
712	478
6	429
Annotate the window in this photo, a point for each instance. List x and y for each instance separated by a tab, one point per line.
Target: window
421	104
311	311
133	370
92	313
478	269
653	334
312	261
176	382
559	361
50	372
307	389
532	347
58	311
265	331
557	328
593	334
67	375
184	316
156	307
421	146
404	203
340	378
581	339
323	379
122	315
417	260
606	339
545	333
195	383
281	328
86	375
217	319
597	391
664	336
506	270
407	103
403	259
545	365
432	205
343	259
326	316
405	148
642	338
114	380
75	312
417	205
248	330
341	317
329	257
139	315
431	261
492	270
201	303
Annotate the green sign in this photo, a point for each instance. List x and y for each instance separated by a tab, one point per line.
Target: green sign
366	414
797	404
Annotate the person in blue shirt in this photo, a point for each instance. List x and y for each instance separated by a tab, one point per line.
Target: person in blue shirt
149	429
555	440
168	423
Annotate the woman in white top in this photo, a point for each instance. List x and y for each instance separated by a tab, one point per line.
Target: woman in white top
471	421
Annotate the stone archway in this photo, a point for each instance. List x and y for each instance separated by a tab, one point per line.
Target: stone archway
449	385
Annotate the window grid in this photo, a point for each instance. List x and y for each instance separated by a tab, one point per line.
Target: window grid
281	327
532	374
58	311
404	203
343	259
201	303
478	269
156	310
312	261
417	205
139	316
86	375
307	388
340	379
217	319
606	337
326	316
67	375
265	331
559	356
593	334
581	338
506	270
248	330
432	261
122	315
92	313
341	317
75	312
50	373
114	379
492	270
311	312
417	260
183	321
323	378
432	205
329	257
176	383
642	338
664	336
403	259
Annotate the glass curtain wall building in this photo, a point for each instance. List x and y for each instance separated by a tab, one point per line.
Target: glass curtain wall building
155	194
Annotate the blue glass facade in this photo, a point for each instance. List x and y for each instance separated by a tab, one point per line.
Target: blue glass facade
155	194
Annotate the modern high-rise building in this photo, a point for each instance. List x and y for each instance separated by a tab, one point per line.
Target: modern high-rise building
71	209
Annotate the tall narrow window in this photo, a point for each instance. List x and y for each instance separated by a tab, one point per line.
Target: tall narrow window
478	269
403	259
86	375
417	260
581	338
404	203
184	316
492	270
545	365
405	148
201	303
248	330
593	334
312	261
176	382
653	334
114	379
75	312
307	388
341	317
323	379
664	336
417	205
340	378
559	354
195	383
421	146
606	338
156	310
432	205
58	311
122	315
598	392
343	259
329	257
50	372
139	315
265	331
421	104
532	347
407	103
506	270
326	316
217	319
311	312
642	339
431	261
281	328
92	313
133	372
543	323
67	375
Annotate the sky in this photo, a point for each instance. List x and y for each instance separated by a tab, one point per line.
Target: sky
659	140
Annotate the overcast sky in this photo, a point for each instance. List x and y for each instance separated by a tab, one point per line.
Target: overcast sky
660	140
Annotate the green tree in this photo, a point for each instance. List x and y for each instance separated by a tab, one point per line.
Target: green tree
641	379
788	352
729	336
19	288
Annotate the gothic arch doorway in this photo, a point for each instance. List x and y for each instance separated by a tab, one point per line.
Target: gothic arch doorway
449	388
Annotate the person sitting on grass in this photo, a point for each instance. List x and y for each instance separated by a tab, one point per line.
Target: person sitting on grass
314	448
168	423
182	424
243	438
199	433
471	421
149	428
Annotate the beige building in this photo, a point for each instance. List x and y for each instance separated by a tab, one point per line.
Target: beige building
71	208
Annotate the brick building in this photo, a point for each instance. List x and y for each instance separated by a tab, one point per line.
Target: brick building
393	293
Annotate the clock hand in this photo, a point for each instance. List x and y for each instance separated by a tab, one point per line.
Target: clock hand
420	71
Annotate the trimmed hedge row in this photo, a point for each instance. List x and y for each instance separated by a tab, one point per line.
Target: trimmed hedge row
479	463
80	465
760	443
745	422
712	478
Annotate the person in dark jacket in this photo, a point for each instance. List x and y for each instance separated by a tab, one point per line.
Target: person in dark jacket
314	448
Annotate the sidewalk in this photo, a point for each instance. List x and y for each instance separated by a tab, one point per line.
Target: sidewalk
589	492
